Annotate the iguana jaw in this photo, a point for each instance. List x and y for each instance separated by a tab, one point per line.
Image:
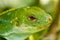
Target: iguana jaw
24	28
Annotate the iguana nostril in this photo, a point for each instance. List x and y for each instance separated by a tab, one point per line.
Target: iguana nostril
32	18
49	19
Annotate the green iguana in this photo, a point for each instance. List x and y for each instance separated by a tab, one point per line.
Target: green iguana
19	23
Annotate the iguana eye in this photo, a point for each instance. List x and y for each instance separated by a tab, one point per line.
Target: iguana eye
32	18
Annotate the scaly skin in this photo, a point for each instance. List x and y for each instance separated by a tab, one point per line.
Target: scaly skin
23	22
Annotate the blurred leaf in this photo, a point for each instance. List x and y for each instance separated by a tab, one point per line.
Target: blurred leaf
8	4
58	36
49	6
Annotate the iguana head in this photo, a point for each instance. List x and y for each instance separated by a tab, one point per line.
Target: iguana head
24	20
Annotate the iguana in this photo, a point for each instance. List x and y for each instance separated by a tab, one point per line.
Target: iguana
16	17
19	23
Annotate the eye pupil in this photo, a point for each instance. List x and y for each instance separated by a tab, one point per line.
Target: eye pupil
32	18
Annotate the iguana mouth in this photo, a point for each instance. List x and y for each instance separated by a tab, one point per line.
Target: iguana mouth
24	28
